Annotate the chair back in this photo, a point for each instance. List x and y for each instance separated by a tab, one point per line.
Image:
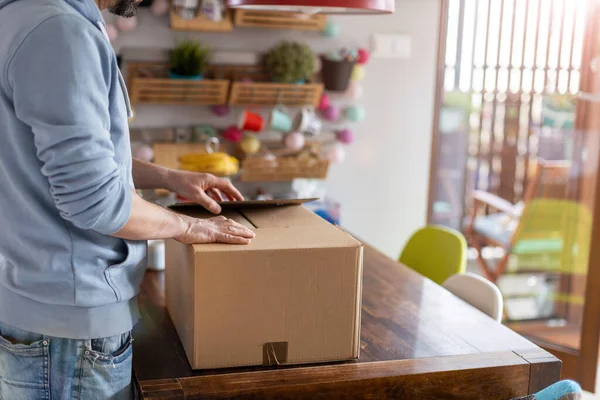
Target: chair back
559	230
436	252
478	292
551	180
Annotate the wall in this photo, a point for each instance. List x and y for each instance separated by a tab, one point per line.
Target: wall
383	183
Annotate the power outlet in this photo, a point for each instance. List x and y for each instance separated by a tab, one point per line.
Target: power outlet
391	46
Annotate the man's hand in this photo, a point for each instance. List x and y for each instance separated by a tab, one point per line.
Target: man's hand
215	230
205	189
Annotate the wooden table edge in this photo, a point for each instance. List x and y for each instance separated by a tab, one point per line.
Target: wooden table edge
539	368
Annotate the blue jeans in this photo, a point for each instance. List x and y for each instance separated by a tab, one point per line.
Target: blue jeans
36	367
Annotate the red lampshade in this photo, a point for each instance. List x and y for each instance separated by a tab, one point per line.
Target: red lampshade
318	6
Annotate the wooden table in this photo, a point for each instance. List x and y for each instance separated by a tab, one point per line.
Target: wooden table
418	342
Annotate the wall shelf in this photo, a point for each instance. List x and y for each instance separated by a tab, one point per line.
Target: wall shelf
201	23
149	84
279	20
269	93
282	169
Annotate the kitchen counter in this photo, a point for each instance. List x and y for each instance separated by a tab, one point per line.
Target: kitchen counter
417	341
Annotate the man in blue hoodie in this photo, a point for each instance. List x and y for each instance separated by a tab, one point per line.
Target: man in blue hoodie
72	229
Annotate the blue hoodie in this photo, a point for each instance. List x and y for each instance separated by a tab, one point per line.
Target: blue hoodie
65	174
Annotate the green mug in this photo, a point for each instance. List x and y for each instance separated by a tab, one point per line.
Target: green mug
280	120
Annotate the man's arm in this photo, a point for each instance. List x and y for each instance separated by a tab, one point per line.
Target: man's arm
149	176
205	189
149	221
59	82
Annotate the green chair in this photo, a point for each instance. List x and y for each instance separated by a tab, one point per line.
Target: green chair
436	252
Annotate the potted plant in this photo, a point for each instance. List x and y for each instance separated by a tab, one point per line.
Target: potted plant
290	62
189	60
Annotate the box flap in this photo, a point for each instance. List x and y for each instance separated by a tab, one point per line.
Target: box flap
290	227
237	205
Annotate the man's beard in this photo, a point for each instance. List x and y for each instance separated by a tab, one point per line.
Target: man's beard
125	8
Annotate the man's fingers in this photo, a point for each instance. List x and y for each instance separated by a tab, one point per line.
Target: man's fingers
228	189
208	203
215	194
221	237
239	230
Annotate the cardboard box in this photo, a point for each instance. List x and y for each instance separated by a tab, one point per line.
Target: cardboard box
293	296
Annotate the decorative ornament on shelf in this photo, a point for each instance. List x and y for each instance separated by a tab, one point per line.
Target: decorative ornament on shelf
358	73
143	152
112	32
212	9
186	9
354	91
290	62
126	24
332	113
295	141
189	60
332	29
345	136
159	7
250	144
355	113
221	110
233	134
336	153
363	56
325	102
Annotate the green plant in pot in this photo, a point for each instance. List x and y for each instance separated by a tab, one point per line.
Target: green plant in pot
290	62
189	60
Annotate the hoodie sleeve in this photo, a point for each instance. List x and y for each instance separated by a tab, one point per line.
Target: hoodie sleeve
60	77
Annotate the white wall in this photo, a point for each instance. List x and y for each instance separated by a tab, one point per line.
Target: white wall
383	183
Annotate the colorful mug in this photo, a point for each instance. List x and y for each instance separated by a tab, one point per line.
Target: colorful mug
280	120
251	121
308	122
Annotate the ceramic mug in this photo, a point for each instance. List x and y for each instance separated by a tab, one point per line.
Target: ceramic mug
280	120
308	122
251	121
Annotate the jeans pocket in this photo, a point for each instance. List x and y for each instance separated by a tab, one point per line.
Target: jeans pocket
24	369
106	369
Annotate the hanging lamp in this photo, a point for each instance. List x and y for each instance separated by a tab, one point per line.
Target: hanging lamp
317	6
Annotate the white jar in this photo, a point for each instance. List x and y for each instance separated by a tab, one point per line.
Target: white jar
156	255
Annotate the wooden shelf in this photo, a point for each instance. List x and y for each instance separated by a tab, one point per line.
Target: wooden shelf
201	23
279	20
268	93
282	169
149	84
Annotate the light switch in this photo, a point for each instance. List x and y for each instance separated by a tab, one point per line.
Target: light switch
391	46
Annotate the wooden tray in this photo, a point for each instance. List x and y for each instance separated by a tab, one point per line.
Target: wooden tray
282	169
201	23
279	20
149	84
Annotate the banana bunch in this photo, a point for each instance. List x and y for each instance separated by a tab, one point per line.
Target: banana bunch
221	164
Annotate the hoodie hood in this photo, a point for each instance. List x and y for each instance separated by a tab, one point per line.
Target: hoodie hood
87	8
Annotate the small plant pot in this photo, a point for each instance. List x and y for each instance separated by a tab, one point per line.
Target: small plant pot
173	75
336	74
